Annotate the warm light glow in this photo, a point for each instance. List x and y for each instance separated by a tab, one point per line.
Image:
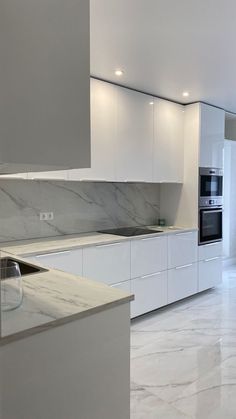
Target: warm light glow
185	94
119	73
151	103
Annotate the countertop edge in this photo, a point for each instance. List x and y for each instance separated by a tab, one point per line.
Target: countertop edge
4	340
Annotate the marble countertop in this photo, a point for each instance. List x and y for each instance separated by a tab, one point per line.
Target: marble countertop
68	242
53	298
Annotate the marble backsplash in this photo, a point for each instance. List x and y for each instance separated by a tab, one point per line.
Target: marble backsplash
78	207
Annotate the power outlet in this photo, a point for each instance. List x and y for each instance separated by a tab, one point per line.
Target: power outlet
46	216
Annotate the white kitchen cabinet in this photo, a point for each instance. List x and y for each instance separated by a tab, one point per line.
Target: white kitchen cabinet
123	286
209	273
212	126
45	91
150	293
103	134
68	261
109	263
182	282
182	248
148	255
168	155
134	146
210	250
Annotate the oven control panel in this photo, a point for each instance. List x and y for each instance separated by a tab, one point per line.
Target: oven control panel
211	202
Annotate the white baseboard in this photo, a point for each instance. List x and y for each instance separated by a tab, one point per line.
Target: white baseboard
229	262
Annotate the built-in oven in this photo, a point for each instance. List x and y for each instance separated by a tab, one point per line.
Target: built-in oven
210	225
210	187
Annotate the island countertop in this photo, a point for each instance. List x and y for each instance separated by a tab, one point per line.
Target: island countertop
53	298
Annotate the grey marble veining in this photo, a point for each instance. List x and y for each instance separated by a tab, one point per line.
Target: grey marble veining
183	358
78	207
54	297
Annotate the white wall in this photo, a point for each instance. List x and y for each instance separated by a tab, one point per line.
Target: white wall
229	242
179	203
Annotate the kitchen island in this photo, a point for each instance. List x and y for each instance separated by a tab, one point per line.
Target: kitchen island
65	352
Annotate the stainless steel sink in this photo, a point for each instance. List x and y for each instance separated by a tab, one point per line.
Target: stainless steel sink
25	268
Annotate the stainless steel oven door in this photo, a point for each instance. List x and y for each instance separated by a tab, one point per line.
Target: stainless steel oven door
210	225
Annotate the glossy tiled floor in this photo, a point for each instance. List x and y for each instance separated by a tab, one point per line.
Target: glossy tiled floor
183	358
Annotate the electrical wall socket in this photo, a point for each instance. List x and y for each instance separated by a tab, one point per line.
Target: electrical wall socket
46	216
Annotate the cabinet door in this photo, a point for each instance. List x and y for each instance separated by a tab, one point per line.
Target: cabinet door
212	136
209	250
150	292
168	156
182	248
209	273
68	261
45	113
182	282
109	263
103	134
123	286
148	255
134	148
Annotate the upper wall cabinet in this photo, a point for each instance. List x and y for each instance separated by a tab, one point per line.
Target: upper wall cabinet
44	101
103	134
212	126
134	146
168	154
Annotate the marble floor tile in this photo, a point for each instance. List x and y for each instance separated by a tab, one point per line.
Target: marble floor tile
146	405
183	357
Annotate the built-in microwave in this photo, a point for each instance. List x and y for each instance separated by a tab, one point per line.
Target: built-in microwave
210	187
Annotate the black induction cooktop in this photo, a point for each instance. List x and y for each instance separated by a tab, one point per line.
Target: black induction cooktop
130	231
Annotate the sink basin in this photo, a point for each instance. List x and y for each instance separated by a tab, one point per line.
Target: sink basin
25	268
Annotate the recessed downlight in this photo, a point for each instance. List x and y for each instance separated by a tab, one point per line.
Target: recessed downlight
119	72
185	94
151	103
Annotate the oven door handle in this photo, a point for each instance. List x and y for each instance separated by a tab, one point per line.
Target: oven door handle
211	210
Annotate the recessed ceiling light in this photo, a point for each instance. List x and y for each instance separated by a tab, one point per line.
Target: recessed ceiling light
119	72
151	103
185	94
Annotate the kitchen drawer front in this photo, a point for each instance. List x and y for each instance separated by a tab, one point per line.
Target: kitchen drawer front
123	286
209	273
148	255
182	249
109	263
210	250
182	282
150	293
68	261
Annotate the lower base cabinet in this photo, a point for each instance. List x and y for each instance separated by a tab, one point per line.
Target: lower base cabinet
68	261
123	286
210	273
150	293
182	282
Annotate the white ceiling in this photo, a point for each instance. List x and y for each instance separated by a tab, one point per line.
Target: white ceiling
168	46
